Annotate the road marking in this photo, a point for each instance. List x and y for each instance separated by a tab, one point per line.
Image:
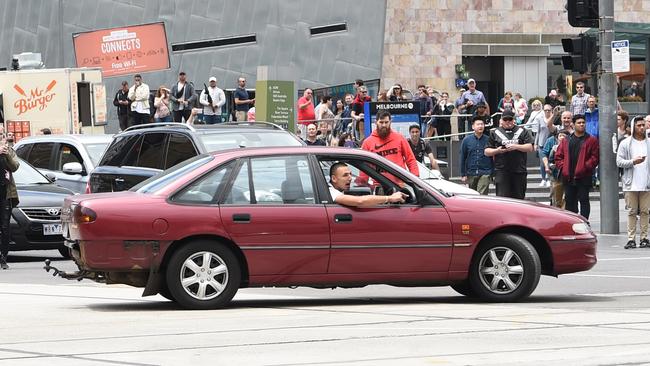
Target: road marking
623	259
607	276
619	294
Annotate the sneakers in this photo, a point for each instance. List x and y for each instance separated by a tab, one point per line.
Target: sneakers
644	243
3	262
630	245
547	184
542	183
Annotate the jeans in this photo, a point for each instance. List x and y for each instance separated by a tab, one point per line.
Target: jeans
124	121
211	119
542	170
179	115
163	119
140	118
574	193
5	226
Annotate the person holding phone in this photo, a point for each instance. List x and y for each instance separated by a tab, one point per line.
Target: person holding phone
8	195
576	159
632	156
139	97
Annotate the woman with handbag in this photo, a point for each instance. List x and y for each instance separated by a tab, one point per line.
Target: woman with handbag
161	102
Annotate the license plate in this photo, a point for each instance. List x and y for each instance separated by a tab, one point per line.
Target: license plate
52	229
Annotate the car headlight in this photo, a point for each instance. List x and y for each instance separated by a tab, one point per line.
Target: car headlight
581	228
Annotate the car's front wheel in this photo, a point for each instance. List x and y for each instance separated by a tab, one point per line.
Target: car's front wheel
203	275
506	268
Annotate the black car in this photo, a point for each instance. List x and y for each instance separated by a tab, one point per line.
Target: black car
36	222
143	151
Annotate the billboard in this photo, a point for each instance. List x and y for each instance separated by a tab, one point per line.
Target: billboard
125	50
403	115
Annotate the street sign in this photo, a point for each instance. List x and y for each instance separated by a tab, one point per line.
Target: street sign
620	56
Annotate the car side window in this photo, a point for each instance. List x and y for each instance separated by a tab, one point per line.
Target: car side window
205	189
40	155
151	151
179	148
240	191
67	154
285	179
23	151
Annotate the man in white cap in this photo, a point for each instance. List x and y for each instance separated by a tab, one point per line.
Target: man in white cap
212	99
470	100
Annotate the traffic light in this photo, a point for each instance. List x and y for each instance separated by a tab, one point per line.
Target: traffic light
583	13
582	52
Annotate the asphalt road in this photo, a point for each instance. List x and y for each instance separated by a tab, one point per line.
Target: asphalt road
599	317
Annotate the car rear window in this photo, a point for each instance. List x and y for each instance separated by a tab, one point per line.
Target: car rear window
163	179
120	147
235	139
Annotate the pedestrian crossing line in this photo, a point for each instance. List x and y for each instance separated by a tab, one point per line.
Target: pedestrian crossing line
606	276
623	259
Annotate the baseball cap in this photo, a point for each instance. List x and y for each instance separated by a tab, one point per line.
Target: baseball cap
507	114
471	81
212	78
481	104
181	73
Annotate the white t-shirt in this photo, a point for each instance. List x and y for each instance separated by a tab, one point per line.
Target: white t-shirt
334	192
640	173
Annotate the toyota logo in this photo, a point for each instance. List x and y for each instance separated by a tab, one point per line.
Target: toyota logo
53	211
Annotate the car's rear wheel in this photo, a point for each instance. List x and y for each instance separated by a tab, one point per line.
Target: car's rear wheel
203	275
506	268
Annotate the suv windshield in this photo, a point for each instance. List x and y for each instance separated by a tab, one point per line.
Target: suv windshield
26	174
162	180
236	139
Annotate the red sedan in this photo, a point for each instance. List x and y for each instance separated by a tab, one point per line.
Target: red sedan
265	217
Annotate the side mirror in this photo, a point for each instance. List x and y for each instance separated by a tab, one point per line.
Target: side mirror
424	198
51	177
359	191
72	168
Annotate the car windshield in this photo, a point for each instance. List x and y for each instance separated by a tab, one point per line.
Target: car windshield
95	151
235	139
163	179
27	174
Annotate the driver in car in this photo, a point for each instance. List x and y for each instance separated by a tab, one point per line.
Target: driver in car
340	179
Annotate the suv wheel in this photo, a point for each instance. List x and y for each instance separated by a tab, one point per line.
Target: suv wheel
506	268
203	275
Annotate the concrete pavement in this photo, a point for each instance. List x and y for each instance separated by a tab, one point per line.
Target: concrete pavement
599	317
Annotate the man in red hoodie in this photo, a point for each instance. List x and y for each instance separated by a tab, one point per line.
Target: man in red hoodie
575	159
390	144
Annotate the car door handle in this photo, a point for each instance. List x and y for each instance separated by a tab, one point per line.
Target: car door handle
343	218
119	180
243	218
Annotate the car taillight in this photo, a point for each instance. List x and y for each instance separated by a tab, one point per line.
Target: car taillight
84	215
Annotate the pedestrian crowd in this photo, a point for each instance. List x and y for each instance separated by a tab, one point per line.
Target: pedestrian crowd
138	104
563	135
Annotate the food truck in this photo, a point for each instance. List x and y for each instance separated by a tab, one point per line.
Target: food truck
69	100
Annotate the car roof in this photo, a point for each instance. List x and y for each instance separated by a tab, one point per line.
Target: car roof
83	139
260	151
257	126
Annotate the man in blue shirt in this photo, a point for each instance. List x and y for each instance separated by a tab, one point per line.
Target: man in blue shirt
475	167
242	101
591	115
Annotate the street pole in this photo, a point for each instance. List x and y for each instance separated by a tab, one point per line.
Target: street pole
609	223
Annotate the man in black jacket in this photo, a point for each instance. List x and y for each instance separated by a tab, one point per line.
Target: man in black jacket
123	105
